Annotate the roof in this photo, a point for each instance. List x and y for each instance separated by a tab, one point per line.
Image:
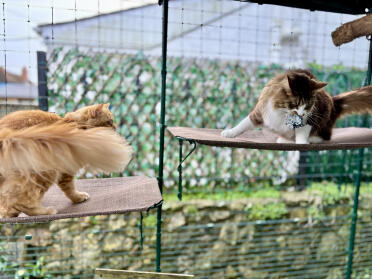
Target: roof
6	76
133	6
17	86
13	90
337	6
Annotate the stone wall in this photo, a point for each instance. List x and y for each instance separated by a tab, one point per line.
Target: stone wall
211	239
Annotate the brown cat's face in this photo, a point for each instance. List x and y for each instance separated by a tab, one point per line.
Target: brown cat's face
301	96
93	116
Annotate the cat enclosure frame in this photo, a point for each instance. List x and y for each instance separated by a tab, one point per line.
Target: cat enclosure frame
144	193
345	138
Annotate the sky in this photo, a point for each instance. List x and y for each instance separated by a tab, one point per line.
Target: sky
19	42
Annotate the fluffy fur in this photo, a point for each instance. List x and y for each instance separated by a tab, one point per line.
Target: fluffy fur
299	92
38	149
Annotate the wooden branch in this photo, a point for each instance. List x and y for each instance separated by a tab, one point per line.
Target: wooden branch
352	30
126	274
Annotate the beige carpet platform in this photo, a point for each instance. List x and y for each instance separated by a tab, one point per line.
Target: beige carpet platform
342	138
107	196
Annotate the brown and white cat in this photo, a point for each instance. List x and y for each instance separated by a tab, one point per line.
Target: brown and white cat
298	92
38	149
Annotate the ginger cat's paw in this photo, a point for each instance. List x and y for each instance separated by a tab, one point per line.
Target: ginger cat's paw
80	197
9	214
50	211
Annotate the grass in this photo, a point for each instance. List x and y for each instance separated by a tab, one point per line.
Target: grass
329	191
268	211
226	195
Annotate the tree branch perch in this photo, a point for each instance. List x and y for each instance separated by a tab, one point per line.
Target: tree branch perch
352	30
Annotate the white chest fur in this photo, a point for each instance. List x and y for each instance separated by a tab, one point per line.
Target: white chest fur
274	119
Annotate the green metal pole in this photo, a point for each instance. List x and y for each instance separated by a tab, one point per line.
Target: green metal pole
162	128
179	195
357	182
369	71
354	216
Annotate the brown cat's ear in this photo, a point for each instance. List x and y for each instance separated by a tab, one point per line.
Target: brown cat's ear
106	106
315	85
291	80
295	82
300	82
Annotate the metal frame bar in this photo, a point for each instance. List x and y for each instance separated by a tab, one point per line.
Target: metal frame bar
164	3
354	219
181	160
140	227
42	80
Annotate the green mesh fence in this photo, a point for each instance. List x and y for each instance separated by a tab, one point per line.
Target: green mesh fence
203	93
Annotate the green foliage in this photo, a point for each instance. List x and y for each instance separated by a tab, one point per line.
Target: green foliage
93	220
149	220
27	270
268	211
330	193
266	193
365	274
190	209
231	194
315	212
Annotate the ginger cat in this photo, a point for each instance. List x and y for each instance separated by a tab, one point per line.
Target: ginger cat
38	149
296	106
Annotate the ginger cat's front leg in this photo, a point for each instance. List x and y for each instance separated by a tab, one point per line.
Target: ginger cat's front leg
244	125
66	183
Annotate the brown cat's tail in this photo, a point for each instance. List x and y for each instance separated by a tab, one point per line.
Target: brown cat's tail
353	102
62	147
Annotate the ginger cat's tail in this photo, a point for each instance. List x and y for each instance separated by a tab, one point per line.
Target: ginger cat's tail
62	147
353	102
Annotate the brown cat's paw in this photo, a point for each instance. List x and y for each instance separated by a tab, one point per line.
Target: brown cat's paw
80	197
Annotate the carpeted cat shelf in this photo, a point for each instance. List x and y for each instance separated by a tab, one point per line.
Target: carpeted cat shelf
107	196
342	138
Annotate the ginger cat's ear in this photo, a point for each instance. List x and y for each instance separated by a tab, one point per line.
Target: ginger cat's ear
96	110
106	106
315	85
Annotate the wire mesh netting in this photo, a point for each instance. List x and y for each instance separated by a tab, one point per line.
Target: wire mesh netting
220	55
206	243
